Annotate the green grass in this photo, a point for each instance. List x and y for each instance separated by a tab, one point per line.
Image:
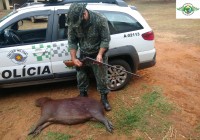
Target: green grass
96	124
51	136
198	128
57	136
139	138
147	115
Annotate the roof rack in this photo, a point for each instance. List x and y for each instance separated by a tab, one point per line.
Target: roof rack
57	2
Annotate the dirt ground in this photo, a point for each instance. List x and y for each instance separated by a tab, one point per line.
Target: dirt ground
177	72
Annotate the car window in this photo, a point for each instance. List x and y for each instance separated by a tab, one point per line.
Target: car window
62	27
28	30
121	22
33	23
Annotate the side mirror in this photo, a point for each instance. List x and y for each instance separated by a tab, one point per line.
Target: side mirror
20	23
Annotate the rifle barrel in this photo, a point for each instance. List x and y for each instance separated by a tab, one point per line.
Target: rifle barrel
112	66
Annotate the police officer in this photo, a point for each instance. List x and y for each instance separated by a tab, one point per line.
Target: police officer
88	31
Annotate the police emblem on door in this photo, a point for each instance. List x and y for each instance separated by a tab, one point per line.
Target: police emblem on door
18	56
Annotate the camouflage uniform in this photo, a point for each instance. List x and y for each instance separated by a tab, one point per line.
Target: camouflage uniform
89	37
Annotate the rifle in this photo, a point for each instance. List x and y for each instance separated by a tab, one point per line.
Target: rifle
69	63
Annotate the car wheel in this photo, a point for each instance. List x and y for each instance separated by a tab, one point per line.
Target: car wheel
33	19
117	79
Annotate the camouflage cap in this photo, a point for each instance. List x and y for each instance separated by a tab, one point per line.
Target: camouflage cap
75	13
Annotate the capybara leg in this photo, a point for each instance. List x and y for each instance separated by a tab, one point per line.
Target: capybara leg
41	121
105	121
108	125
40	128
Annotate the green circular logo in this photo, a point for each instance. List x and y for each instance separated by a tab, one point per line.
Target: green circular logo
188	9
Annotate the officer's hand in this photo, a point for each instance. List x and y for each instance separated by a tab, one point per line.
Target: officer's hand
99	58
77	62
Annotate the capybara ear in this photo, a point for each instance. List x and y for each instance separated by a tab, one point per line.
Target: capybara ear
39	102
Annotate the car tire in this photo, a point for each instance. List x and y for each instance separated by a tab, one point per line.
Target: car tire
117	79
33	20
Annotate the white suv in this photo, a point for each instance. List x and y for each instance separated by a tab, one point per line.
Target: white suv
33	53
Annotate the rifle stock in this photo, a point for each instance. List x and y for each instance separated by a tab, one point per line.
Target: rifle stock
69	63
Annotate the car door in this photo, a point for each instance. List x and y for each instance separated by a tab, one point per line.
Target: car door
60	50
27	56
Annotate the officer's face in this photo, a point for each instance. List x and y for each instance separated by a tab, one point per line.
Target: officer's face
85	16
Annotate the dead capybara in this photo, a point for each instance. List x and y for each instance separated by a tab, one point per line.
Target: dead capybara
69	111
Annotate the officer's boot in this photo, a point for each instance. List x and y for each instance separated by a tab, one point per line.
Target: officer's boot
83	94
105	102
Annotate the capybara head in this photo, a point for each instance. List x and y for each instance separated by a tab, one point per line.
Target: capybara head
39	102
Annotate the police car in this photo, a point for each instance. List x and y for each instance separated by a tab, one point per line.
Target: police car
33	53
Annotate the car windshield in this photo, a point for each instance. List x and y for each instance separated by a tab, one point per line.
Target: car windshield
5	17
